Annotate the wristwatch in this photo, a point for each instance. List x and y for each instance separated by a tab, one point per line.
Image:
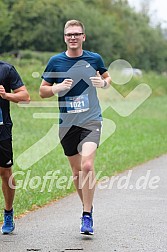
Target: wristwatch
105	84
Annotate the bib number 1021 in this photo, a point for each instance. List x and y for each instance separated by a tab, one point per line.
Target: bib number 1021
77	104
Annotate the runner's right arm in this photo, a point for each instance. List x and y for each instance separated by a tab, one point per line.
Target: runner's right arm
48	90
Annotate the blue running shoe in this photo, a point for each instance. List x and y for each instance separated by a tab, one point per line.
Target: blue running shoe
87	225
9	224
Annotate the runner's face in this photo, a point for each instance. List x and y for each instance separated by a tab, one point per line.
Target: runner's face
74	37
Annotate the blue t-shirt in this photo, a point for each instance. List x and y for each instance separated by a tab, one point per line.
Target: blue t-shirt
11	80
80	104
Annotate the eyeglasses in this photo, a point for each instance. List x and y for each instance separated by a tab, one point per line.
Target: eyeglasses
75	35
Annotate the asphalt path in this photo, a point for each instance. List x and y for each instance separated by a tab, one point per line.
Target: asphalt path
130	216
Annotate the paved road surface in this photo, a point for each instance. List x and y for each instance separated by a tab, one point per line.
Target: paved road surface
126	220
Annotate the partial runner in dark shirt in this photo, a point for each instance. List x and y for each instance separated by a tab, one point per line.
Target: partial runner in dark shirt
11	89
10	80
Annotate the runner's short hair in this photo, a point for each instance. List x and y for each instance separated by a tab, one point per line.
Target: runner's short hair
74	22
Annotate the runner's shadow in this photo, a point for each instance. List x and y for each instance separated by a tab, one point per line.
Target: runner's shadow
87	237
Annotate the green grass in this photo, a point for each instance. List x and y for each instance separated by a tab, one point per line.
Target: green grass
139	137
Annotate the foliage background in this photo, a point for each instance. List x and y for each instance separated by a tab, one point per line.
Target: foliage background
113	29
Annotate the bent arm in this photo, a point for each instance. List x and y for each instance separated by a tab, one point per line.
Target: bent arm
19	95
47	90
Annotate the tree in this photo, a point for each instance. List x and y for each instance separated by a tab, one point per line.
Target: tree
5	21
113	29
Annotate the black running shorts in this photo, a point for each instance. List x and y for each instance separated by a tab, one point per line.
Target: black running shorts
71	138
6	153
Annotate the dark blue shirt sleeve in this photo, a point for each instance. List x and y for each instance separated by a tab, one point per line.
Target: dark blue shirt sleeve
100	65
49	72
14	79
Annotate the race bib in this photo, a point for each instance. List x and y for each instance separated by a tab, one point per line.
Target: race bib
77	104
1	117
